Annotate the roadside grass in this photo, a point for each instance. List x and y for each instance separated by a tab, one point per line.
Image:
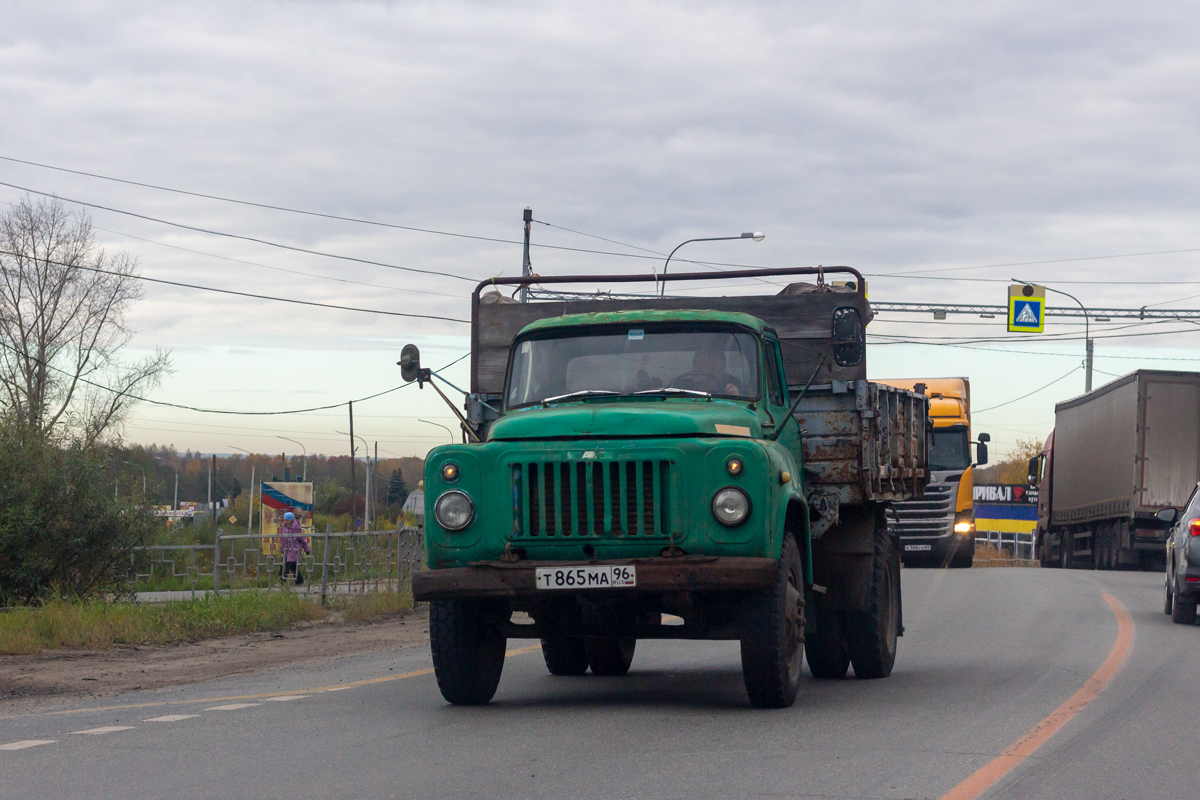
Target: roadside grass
987	555
369	606
97	624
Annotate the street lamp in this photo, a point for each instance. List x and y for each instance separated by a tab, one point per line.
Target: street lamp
302	448
143	469
1087	380
755	235
440	425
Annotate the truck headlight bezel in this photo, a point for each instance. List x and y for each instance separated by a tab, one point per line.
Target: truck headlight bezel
452	517
723	514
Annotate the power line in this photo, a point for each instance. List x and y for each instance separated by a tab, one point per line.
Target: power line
1030	394
240	237
213	410
243	294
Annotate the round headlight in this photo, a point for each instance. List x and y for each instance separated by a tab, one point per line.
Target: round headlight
734	466
730	506
454	510
449	472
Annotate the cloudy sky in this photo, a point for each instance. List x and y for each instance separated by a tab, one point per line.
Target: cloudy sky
925	145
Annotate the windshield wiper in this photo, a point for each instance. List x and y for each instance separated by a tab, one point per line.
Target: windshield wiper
675	390
580	394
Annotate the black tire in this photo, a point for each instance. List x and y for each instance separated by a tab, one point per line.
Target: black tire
964	554
1183	610
1064	553
871	635
468	646
773	635
609	655
824	644
565	655
1168	605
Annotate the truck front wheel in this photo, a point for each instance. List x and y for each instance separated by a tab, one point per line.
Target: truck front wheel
565	655
773	635
871	634
468	646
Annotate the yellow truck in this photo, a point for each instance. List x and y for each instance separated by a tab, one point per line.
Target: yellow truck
940	528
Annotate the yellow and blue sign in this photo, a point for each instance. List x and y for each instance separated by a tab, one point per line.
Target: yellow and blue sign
1026	308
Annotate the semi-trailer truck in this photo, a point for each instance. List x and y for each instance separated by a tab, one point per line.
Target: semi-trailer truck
939	528
1116	456
720	459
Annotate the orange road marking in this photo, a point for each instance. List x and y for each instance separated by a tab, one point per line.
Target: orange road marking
334	688
986	776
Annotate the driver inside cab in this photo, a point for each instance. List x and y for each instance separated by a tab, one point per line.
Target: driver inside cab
708	375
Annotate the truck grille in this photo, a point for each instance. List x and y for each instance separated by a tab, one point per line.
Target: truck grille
590	498
932	516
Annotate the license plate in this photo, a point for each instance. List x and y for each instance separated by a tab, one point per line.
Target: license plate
909	547
598	577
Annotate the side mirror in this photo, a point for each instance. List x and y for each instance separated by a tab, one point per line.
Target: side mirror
981	454
1167	515
985	437
849	338
1034	472
410	363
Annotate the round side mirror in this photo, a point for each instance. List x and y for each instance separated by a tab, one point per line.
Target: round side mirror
410	363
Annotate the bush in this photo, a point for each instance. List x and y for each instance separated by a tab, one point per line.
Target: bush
61	529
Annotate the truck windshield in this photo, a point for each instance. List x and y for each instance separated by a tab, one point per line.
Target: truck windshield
723	363
950	449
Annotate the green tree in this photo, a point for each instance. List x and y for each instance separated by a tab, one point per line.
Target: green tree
397	491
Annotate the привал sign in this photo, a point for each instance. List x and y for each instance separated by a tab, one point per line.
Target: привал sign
1026	308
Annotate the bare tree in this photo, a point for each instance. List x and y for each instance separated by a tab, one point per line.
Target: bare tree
62	325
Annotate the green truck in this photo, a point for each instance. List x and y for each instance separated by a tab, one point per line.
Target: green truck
720	459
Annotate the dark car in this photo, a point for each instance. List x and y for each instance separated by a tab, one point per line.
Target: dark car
1183	560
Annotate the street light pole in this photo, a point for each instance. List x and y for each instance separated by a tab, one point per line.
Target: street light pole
755	235
367	488
1087	335
303	449
440	425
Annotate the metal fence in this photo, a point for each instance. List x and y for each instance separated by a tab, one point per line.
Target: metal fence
337	564
1019	546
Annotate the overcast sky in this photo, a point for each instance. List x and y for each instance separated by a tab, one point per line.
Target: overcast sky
891	137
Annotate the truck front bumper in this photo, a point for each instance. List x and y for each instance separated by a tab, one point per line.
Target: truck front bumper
678	574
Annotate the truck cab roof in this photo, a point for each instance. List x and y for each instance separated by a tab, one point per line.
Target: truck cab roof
648	316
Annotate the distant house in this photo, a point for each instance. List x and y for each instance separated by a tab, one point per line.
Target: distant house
415	504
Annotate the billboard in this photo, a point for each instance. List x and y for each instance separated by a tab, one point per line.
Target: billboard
279	497
1005	508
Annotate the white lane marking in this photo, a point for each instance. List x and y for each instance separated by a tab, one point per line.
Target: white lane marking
102	731
338	689
172	718
283	698
26	744
232	706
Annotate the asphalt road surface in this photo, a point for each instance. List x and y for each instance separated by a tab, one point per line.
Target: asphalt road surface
988	655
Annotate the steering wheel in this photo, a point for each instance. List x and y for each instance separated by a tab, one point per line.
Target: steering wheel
705	379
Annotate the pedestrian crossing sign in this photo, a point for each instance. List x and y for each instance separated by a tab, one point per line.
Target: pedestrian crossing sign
1026	308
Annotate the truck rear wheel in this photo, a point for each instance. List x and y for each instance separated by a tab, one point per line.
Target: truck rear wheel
824	645
564	655
609	655
871	634
773	635
468	646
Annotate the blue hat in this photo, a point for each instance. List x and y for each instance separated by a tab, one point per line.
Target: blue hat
289	516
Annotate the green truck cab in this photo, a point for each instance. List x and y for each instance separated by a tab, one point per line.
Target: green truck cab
719	459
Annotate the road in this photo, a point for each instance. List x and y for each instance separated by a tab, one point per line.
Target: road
987	655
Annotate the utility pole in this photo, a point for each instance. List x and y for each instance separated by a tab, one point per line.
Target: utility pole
526	264
376	518
250	513
1087	333
353	478
175	505
211	469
